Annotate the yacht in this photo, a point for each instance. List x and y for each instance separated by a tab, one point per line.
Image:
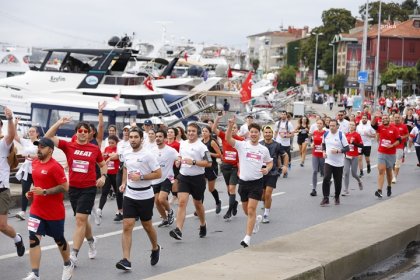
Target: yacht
14	60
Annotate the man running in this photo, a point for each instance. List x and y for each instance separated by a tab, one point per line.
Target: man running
404	134
47	211
284	131
254	162
367	133
140	168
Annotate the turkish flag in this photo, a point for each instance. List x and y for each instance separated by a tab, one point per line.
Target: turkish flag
148	83
229	72
186	56
246	89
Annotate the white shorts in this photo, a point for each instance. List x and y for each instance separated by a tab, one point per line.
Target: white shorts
399	157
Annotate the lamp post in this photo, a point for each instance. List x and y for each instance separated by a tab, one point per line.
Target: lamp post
376	80
314	83
364	45
333	70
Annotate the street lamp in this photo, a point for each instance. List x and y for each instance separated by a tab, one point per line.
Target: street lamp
376	80
316	59
402	49
333	45
364	46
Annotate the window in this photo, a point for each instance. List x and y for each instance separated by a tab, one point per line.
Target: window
58	114
151	107
40	117
86	117
160	103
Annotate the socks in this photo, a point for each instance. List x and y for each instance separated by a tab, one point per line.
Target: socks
232	199
247	239
90	240
266	211
76	251
215	194
67	263
17	238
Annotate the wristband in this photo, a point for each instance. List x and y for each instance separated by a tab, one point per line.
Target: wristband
100	112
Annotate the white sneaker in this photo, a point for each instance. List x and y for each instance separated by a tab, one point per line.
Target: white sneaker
394	180
92	248
20	215
265	219
345	193
68	271
97	216
257	224
73	258
31	276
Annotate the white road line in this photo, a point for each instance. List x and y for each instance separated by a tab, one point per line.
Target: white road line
117	232
371	167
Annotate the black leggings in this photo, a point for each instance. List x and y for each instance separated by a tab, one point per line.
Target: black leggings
337	173
26	185
418	152
110	181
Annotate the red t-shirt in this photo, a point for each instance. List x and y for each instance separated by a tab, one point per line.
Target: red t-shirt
229	153
112	165
387	136
175	144
403	130
48	175
382	101
353	138
317	140
81	160
357	119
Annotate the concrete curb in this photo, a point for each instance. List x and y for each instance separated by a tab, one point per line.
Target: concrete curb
334	250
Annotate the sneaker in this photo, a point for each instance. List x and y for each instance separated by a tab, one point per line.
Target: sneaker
20	247
361	174
67	271
313	193
31	276
113	196
118	217
164	223
92	248
325	201
235	208
73	258
244	244
285	175
368	169
228	215
345	193
218	207
301	164
337	200
360	185
171	217
388	191
378	193
203	231
176	233
394	180
257	224
96	217
154	256
195	214
20	215
265	219
123	264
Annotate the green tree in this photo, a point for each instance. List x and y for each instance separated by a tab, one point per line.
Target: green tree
391	10
393	73
338	81
286	77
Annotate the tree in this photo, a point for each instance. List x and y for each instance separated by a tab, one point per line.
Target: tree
394	73
286	77
392	11
336	21
338	81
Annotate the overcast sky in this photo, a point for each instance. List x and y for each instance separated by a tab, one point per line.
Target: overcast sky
83	23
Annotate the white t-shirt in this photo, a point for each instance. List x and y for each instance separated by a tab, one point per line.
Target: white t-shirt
166	158
415	131
333	143
365	130
344	126
122	147
350	101
313	128
281	131
4	165
244	131
29	149
251	160
141	162
195	151
388	102
149	145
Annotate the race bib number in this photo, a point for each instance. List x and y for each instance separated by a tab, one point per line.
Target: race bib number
351	147
349	157
318	148
385	143
229	155
253	157
80	166
33	224
111	165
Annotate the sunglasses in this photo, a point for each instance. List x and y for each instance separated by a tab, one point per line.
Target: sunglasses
81	130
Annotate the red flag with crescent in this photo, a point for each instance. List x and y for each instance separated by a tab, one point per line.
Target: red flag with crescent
229	72
246	89
148	83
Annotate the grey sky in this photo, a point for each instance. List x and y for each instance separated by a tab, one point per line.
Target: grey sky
82	23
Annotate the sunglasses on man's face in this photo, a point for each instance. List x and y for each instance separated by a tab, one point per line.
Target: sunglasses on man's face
82	130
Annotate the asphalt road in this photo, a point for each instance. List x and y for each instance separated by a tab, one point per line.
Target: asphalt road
292	210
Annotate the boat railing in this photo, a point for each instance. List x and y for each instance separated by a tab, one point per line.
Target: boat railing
125	81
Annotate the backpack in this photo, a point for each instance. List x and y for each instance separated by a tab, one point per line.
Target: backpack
287	126
340	135
12	159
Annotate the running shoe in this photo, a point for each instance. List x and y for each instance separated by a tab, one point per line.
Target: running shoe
68	271
313	193
388	191
96	216
285	175
31	276
171	217
301	164
394	180
176	233
265	219
325	201
218	207
92	248
228	215
73	258
154	256
20	215
203	231
360	185
257	224
361	174
345	193
235	208
20	247
337	201
118	217
378	193
123	264
368	168
164	223
244	244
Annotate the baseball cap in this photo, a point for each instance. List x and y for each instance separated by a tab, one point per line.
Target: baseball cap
147	122
45	142
127	127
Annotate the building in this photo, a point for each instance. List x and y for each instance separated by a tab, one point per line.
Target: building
270	47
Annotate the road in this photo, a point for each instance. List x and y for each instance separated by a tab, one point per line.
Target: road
293	209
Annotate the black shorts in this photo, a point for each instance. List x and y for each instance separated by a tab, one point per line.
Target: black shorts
194	185
210	174
82	199
270	181
176	171
143	208
230	174
164	186
365	151
54	229
250	189
302	139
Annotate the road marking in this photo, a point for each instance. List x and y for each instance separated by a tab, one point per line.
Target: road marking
371	167
117	232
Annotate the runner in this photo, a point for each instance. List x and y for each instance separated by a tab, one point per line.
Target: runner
411	122
351	160
302	139
283	131
342	123
47	212
334	147
82	158
6	142
367	133
243	130
415	136
270	179
404	134
193	159
254	162
166	157
389	138
172	134
317	155
140	168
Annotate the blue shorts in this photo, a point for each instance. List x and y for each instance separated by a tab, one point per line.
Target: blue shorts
54	228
